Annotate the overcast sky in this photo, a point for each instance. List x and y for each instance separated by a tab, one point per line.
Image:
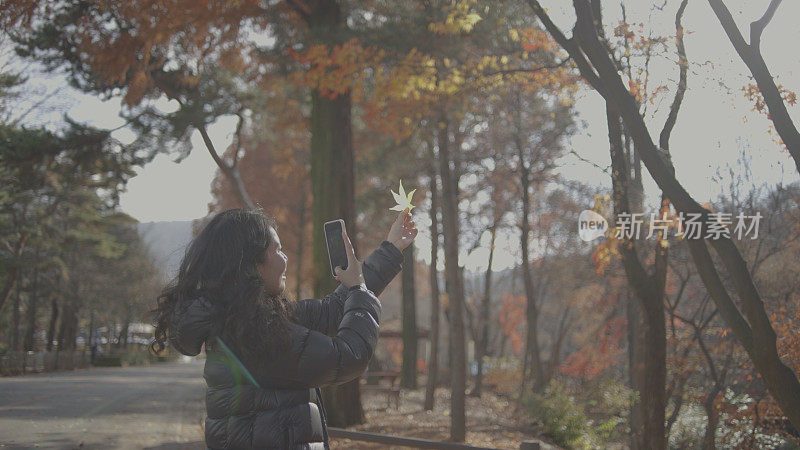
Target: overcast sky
713	127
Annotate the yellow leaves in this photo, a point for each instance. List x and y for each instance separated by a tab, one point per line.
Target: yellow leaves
469	21
607	249
601	203
605	253
461	19
487	63
405	91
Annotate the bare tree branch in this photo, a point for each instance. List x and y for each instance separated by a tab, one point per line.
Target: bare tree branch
570	46
513	70
663	139
237	136
757	27
751	56
229	170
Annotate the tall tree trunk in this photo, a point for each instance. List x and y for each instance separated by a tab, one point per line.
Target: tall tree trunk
637	322
408	375
123	334
15	319
30	326
90	341
33	299
483	316
332	180
433	339
11	281
450	230
51	329
636	373
70	314
531	312
712	422
71	335
649	292
62	328
109	336
301	226
333	189
555	355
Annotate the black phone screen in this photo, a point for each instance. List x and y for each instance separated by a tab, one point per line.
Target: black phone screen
336	250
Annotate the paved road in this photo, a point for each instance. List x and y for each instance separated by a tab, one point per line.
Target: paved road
154	407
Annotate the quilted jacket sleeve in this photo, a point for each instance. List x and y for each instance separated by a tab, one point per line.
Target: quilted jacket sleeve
317	360
189	329
380	268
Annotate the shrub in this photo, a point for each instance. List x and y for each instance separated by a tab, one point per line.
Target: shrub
562	418
589	416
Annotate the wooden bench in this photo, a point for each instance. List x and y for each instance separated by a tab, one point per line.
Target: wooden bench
391	390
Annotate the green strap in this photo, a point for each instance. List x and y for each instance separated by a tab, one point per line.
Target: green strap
239	363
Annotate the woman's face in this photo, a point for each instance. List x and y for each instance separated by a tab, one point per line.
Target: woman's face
273	269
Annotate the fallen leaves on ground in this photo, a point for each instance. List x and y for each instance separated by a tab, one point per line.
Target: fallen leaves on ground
490	420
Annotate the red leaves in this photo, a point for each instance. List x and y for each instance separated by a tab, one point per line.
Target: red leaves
591	360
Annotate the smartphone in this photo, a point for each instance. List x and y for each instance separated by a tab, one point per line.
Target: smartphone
336	251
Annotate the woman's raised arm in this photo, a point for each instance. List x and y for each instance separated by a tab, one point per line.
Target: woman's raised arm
316	360
380	268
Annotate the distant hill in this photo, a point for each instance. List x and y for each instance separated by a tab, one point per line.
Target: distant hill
167	242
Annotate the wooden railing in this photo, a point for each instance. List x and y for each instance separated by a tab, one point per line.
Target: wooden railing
340	433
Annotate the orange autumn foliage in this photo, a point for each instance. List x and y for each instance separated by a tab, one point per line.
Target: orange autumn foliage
512	313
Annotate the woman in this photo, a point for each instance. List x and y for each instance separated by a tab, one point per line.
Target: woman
266	356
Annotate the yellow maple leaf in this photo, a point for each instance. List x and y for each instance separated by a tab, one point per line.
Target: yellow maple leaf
403	200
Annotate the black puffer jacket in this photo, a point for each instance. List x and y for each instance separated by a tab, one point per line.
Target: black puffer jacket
336	337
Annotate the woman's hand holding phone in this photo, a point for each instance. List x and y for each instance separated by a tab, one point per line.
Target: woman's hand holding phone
353	275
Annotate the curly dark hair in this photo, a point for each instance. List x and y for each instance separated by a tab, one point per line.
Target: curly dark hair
220	264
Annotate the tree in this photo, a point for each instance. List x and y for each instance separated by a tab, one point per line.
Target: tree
750	324
433	358
45	170
436	85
